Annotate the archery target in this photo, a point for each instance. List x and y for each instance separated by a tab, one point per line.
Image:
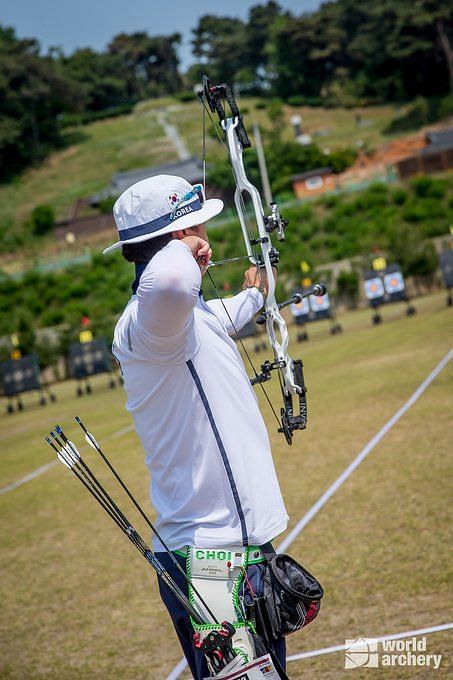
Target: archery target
89	358
301	308
374	288
394	283
20	375
319	303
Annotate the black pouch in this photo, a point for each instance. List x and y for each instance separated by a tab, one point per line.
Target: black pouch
291	597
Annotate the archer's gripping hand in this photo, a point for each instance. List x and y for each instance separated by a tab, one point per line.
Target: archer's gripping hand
255	277
201	250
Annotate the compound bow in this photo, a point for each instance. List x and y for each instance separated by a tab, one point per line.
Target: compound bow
261	252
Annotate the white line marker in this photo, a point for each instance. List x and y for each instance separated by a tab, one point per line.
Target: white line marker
28	478
120	433
393	636
302	523
177	670
48	466
284	545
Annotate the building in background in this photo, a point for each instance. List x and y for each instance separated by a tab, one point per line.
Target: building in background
82	227
436	156
313	182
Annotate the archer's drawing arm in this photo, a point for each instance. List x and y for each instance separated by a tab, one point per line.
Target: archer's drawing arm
236	311
168	290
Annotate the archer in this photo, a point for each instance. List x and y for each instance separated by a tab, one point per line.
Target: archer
213	482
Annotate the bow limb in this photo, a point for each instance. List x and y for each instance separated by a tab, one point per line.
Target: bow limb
274	320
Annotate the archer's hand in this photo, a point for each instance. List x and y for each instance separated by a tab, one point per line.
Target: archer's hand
255	277
201	250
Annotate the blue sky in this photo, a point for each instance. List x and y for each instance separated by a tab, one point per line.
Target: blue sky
92	23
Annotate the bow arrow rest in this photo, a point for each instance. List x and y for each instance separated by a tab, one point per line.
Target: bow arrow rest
219	99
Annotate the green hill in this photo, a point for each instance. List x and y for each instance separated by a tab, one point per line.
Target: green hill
96	151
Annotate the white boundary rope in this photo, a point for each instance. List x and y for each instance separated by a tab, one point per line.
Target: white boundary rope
383	638
302	523
48	466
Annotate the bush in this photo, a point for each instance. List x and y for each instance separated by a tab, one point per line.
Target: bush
330	200
52	317
296	100
446	106
26	333
185	96
342	159
42	219
276	114
417	116
428	187
73	119
301	100
47	352
399	196
375	196
423	262
106	205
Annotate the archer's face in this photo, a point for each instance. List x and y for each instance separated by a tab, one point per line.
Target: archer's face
199	230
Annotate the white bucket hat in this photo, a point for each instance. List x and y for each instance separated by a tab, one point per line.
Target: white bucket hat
159	205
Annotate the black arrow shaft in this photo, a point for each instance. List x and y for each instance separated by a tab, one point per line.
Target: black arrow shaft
95	488
146	518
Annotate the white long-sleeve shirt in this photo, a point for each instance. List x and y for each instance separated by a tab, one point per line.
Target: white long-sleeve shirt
213	481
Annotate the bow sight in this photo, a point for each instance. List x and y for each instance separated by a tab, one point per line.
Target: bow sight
276	221
260	252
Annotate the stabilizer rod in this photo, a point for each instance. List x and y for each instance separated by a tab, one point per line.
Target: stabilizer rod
317	289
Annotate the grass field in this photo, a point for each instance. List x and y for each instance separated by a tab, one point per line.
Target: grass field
79	602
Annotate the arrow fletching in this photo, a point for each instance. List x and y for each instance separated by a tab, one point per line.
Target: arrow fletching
63	459
91	441
72	450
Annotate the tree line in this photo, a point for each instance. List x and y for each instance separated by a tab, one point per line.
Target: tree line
346	53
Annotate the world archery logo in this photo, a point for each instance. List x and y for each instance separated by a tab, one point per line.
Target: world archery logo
361	652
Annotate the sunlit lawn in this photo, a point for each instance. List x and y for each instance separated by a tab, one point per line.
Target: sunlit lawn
79	602
330	128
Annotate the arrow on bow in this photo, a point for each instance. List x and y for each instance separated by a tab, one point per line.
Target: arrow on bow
219	99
